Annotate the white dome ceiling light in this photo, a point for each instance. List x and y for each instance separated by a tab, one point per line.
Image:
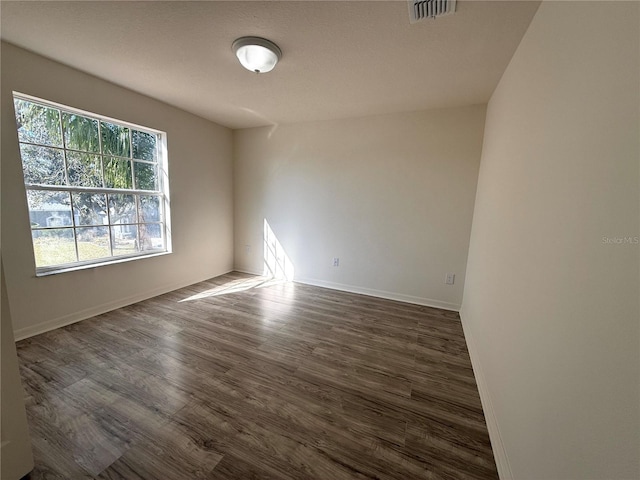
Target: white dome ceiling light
257	54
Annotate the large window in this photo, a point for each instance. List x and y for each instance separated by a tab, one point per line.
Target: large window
96	187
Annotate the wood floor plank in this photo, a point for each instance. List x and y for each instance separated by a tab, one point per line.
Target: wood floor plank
233	467
245	377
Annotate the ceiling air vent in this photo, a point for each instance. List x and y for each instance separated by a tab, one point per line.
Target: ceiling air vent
421	9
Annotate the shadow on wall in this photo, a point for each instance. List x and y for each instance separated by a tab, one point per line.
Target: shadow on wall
278	269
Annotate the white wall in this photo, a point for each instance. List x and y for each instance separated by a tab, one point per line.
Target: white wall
200	169
16	459
550	309
391	196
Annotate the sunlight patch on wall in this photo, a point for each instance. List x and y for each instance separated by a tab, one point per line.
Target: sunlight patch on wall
276	262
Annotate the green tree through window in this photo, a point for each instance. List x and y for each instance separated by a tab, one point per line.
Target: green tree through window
95	187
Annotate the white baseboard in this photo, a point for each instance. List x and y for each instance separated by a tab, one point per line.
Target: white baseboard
30	331
400	297
427	302
248	271
499	451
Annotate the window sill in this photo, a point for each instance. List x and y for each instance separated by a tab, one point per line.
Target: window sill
110	261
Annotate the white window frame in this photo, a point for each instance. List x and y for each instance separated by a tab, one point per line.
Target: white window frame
162	190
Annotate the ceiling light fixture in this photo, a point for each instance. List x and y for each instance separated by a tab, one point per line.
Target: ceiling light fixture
257	54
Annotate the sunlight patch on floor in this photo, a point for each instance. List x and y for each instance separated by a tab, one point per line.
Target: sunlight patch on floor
235	286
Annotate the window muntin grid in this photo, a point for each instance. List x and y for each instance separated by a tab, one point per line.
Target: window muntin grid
96	187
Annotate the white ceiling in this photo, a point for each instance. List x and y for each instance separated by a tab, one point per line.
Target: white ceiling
340	59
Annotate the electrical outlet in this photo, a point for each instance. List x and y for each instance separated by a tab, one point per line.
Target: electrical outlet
450	278
336	262
247	249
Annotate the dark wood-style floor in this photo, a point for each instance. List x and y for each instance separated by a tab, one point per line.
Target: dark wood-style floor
242	378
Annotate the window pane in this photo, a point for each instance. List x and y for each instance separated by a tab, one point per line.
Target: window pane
90	208
115	139
49	209
122	208
144	145
150	236
117	173
124	239
146	178
93	242
84	169
42	165
37	124
54	247
149	208
80	133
